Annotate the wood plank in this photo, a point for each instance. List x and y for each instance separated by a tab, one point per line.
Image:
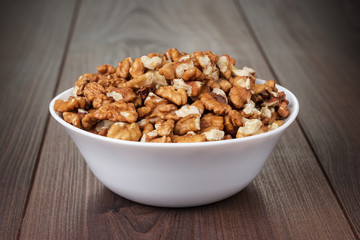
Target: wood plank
33	37
313	47
68	202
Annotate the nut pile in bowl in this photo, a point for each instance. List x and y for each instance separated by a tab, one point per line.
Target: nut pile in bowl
174	97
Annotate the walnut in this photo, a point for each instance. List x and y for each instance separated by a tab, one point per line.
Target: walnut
192	74
123	68
239	96
270	86
250	110
72	118
250	128
117	111
168	71
244	82
73	103
110	80
283	111
225	85
165	128
187	110
213	134
187	124
173	54
146	79
125	131
236	118
276	124
151	62
224	66
103	125
179	97
211	121
180	84
152	100
258	88
166	111
137	68
212	84
82	81
106	69
181	67
101	100
214	105
228	126
88	121
164	139
207	61
123	93
199	105
92	90
195	87
147	128
144	91
189	137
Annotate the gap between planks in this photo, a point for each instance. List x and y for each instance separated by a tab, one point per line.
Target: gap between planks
272	70
59	75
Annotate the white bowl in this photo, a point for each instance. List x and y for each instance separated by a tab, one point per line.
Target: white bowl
176	174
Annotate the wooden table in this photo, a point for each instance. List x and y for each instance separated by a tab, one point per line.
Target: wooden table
310	186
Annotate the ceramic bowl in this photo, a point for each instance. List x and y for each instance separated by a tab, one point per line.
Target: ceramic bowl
176	174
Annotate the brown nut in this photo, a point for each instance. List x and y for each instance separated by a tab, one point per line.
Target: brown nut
258	88
137	68
173	54
123	68
224	66
168	71
123	93
270	86
125	131
165	128
239	96
117	111
236	118
92	90
72	118
228	126
88	121
199	105
101	100
211	121
82	81
225	85
283	111
106	69
192	74
72	104
189	137
179	97
250	128
212	104
165	111
151	61
187	124
144	91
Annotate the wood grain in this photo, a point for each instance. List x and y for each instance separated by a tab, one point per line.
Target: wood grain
314	48
290	198
33	36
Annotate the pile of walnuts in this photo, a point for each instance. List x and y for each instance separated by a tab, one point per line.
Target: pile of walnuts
174	97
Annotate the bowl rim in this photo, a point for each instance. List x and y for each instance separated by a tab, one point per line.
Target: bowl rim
293	104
